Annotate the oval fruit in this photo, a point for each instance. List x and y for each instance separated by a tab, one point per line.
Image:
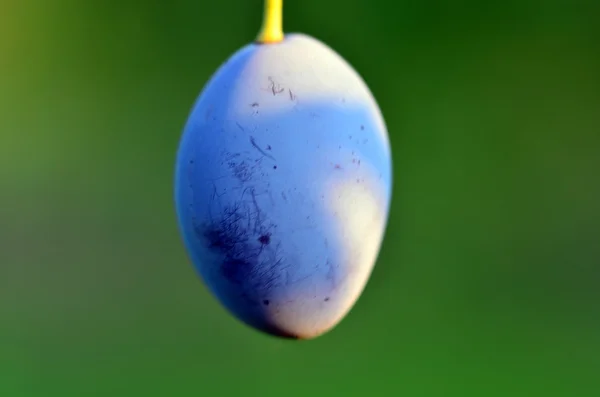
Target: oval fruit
283	185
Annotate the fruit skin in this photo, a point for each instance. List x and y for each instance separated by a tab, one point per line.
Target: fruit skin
283	184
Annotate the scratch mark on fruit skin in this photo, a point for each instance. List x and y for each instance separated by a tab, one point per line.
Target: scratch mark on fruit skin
275	88
242	170
253	142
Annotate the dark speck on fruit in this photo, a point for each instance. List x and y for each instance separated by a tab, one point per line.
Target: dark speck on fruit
274	167
326	299
362	127
254	105
266	302
265	239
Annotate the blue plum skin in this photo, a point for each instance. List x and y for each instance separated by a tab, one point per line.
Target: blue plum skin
282	186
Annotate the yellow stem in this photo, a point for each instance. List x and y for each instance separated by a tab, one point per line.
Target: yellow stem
271	30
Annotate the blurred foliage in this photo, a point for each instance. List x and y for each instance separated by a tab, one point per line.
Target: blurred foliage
488	283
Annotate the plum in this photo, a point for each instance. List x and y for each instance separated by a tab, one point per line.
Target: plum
283	183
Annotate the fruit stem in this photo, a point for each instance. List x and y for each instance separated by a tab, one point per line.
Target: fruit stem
271	30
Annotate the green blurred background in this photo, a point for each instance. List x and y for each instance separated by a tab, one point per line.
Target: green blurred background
488	283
